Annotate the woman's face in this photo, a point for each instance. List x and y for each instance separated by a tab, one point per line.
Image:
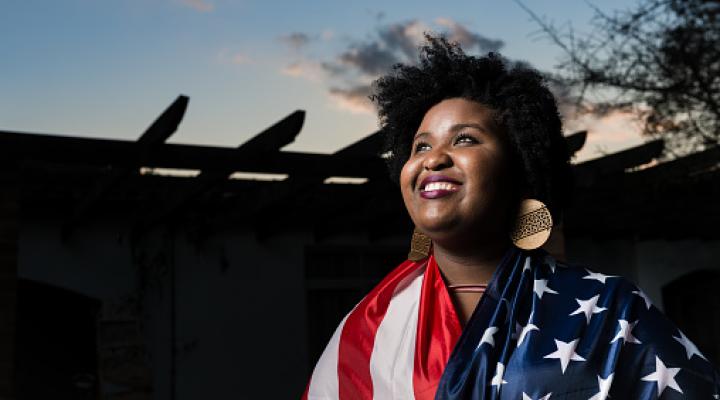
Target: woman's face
456	181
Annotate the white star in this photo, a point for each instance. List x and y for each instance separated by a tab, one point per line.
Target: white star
541	287
640	293
498	380
546	397
487	337
526	267
663	376
551	263
522	331
690	348
597	276
625	332
588	307
604	387
565	352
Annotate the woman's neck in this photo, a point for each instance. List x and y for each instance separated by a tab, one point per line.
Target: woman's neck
469	264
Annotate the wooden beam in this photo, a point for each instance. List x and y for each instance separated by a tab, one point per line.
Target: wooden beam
365	150
104	153
575	142
158	132
368	146
587	172
255	150
681	168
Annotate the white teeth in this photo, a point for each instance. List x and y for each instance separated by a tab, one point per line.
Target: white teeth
439	186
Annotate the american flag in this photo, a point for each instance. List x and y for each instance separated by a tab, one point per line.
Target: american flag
542	330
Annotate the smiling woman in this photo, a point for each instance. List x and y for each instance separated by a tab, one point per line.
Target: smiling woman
478	311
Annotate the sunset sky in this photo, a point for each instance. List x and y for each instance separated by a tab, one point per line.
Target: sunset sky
108	68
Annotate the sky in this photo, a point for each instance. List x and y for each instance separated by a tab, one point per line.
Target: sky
107	69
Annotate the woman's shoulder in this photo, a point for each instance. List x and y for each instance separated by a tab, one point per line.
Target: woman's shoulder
621	323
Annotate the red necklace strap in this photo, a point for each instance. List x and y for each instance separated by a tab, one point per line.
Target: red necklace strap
467	288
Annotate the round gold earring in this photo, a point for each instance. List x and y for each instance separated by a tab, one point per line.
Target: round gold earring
532	226
419	246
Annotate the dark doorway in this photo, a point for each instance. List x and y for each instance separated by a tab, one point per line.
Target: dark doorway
56	352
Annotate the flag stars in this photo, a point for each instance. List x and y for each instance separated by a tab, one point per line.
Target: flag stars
588	307
565	353
551	263
527	397
498	380
527	266
640	293
690	348
487	336
597	276
604	387
663	376
540	287
625	332
522	331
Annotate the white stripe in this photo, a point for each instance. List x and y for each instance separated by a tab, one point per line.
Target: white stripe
324	380
393	355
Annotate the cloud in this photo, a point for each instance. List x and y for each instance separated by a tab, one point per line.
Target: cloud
405	37
467	39
199	5
399	43
239	58
306	69
351	70
225	56
607	133
327	34
367	58
296	40
354	100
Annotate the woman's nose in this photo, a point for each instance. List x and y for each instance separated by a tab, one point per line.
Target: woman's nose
437	159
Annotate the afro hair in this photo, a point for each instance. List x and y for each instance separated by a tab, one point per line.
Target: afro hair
523	107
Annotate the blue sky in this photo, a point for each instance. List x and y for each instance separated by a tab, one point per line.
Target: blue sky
107	69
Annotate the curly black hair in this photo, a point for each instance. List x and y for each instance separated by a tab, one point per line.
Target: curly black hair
522	104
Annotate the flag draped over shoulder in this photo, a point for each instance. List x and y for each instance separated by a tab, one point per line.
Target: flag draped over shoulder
542	330
545	330
394	344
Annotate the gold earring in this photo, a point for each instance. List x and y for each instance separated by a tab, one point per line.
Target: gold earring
419	246
532	226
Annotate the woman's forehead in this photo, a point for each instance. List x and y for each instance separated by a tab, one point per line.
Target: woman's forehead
455	114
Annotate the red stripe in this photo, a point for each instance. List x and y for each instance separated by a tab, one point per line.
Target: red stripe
438	331
358	335
305	393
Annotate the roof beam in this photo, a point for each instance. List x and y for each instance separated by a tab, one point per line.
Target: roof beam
255	150
157	133
587	172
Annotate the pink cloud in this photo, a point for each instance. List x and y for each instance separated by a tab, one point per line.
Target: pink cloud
305	69
354	100
199	5
609	133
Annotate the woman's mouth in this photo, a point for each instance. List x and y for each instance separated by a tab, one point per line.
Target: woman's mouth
434	190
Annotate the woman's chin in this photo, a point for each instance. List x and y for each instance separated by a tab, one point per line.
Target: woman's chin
439	229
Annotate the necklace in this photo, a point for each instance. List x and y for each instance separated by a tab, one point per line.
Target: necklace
468	288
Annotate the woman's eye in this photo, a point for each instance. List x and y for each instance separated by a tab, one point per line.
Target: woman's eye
464	138
421	146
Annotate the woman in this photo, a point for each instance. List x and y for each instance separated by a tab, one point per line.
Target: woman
478	311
